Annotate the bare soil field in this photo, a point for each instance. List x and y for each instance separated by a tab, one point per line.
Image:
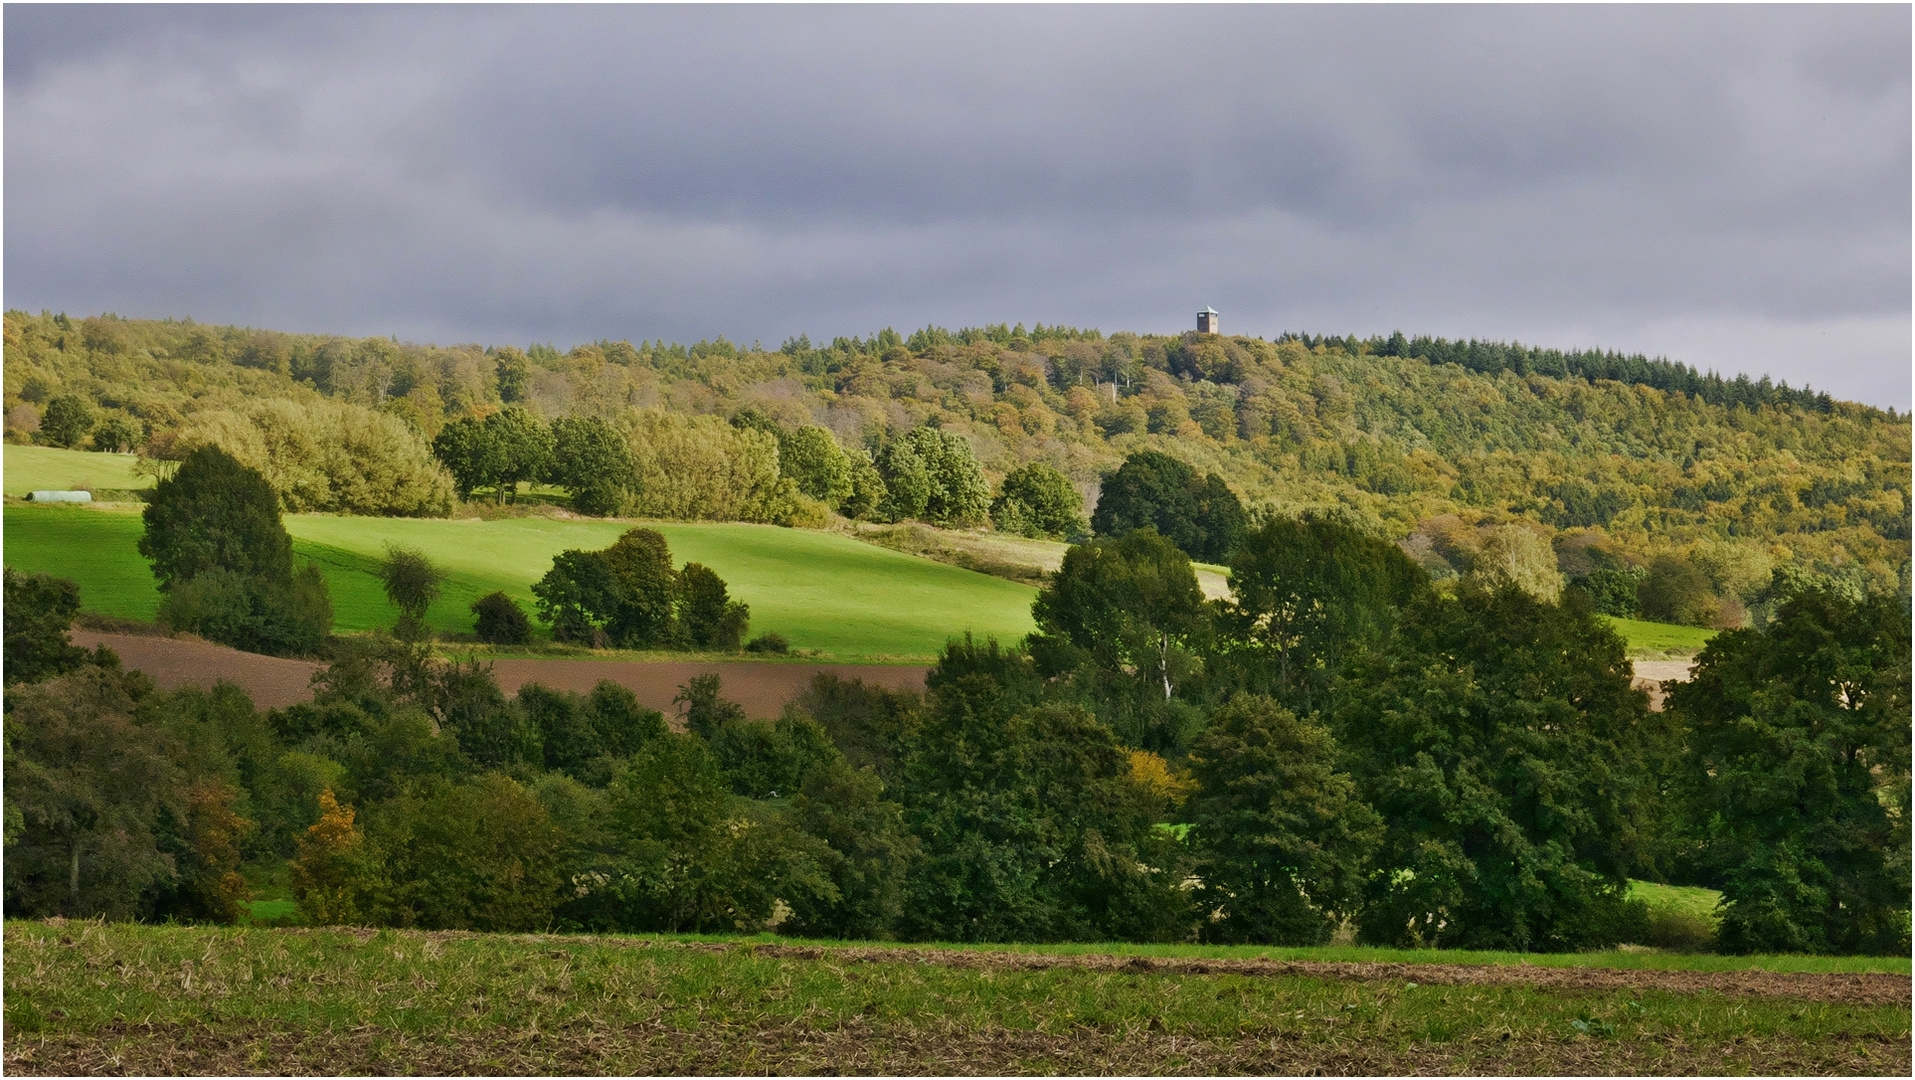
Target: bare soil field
1651	675
761	687
91	998
271	681
275	682
856	1048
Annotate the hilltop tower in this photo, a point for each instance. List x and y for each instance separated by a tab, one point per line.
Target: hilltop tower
1207	321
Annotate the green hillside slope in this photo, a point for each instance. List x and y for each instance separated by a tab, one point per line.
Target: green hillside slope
821	590
47	468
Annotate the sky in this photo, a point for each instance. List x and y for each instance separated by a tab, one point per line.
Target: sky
1725	186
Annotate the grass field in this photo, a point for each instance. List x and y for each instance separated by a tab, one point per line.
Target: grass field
848	600
47	468
1659	639
823	591
89	997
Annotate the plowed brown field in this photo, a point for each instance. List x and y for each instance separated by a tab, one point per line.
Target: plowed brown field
274	682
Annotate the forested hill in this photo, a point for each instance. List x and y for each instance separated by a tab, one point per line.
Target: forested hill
1618	458
1495	357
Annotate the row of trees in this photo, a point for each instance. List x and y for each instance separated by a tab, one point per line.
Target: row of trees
1346	743
666	465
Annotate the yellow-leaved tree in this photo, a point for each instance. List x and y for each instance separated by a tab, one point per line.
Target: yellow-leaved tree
335	873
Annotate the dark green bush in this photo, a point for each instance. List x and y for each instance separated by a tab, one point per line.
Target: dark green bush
771	641
39	613
501	621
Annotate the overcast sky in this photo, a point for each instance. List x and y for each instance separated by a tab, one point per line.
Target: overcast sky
1728	186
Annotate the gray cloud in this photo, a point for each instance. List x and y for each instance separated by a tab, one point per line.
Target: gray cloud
1726	185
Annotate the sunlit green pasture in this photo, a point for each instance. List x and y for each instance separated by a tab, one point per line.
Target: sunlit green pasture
823	591
1654	638
48	468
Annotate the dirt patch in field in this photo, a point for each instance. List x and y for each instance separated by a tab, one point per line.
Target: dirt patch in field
861	1048
762	688
1653	675
274	682
271	681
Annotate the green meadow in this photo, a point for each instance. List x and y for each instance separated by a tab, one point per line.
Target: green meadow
1660	639
846	599
823	591
47	468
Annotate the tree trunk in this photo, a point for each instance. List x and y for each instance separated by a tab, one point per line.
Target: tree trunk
1163	661
73	879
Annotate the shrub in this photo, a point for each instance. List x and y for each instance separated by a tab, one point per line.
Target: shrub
501	621
684	855
707	616
1674	590
481	854
412	583
289	618
770	641
1678	930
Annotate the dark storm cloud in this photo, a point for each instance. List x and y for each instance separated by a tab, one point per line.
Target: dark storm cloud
1729	186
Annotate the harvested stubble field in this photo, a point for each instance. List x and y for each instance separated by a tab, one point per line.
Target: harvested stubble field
109	998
